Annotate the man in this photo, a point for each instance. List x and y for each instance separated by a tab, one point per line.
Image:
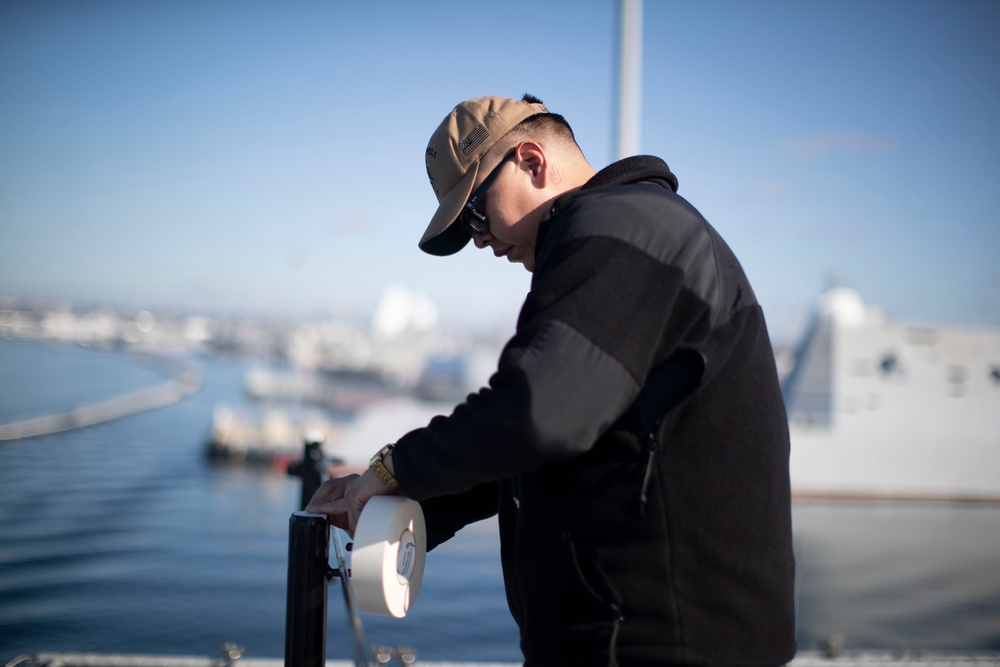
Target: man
633	440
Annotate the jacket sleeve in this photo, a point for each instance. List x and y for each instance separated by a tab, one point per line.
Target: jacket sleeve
600	311
446	515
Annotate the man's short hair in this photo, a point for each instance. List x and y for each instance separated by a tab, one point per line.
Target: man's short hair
547	123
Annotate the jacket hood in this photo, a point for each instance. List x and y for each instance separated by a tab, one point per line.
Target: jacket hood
633	170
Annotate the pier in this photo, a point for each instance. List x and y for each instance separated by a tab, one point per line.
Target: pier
183	384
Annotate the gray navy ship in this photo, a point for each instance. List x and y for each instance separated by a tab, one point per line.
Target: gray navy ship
883	410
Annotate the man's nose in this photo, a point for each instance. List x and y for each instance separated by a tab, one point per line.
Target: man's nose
482	240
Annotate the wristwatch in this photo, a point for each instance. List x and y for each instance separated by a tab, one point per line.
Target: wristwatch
378	467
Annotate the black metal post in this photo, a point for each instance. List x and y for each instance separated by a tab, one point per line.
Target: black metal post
308	569
311	468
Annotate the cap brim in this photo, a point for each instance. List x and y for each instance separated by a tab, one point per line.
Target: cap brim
443	236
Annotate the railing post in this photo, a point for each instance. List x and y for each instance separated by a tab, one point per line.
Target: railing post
311	468
308	571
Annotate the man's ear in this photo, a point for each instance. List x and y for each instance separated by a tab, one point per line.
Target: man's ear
533	158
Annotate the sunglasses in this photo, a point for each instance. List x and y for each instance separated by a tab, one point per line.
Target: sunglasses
473	221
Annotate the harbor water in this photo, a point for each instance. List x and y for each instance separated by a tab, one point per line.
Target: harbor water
124	537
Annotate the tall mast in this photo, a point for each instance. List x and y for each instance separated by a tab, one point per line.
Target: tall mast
629	78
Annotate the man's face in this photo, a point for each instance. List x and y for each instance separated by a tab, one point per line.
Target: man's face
509	207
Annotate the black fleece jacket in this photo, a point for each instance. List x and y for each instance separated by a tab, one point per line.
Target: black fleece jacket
633	441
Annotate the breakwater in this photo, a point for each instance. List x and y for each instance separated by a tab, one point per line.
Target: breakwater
184	383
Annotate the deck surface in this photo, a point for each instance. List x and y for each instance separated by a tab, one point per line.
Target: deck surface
803	659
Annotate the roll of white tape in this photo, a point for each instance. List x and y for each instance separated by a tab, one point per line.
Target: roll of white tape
387	559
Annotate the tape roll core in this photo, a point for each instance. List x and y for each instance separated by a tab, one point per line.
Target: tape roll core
387	561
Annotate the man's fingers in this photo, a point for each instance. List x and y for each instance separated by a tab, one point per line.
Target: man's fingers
329	491
342	499
332	504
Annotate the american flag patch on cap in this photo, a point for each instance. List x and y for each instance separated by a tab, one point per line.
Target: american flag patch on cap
476	137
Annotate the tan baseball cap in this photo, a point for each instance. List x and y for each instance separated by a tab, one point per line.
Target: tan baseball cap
453	155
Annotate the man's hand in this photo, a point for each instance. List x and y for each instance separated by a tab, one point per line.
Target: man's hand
344	498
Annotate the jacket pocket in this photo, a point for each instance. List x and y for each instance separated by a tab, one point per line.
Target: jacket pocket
597	586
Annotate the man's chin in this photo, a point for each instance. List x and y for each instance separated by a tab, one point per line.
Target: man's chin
527	262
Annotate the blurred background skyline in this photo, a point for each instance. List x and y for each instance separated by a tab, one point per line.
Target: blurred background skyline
262	157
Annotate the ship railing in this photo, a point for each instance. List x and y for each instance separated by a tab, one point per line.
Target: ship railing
309	573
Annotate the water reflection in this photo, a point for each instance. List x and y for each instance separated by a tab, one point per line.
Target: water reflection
894	576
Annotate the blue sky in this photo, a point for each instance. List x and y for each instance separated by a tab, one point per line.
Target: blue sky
267	157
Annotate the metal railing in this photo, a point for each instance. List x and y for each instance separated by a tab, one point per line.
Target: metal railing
309	572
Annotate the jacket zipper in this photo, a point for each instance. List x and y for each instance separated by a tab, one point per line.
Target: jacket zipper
651	445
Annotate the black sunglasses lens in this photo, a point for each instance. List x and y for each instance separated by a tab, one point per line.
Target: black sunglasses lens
473	223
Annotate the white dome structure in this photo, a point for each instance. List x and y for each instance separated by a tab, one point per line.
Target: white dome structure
844	306
401	310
